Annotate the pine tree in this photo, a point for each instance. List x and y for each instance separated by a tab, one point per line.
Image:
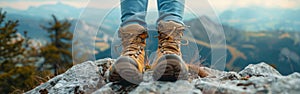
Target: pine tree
17	69
57	52
11	44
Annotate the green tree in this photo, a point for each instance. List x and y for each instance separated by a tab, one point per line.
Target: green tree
11	44
57	52
17	59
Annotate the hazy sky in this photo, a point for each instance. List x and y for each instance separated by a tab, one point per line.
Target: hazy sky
219	5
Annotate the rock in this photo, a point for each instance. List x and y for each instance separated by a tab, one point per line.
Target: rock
287	84
80	78
215	86
179	87
263	79
91	77
105	90
261	69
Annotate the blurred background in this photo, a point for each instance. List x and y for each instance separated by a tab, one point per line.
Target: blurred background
36	35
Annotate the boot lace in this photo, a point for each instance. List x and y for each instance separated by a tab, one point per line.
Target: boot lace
133	44
169	43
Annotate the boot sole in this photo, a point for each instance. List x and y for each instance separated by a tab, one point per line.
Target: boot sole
125	72
170	68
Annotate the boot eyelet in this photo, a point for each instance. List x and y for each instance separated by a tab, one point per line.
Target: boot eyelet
135	55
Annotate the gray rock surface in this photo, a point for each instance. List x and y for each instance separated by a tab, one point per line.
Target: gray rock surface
86	77
91	77
261	69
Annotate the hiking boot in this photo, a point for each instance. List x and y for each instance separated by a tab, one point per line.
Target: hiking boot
129	66
168	64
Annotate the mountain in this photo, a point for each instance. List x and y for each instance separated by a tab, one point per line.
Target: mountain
262	19
276	44
280	48
44	11
83	19
31	18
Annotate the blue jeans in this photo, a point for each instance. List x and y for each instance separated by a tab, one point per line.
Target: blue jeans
134	11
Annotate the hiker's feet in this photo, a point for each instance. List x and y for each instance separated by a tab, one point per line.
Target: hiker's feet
168	64
125	72
129	66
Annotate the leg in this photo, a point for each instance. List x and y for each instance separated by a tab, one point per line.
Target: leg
170	10
168	64
133	12
128	68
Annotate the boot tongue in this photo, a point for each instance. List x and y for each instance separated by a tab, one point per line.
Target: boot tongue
170	29
133	37
133	29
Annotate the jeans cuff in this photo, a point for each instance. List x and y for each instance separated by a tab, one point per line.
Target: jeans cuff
133	22
173	18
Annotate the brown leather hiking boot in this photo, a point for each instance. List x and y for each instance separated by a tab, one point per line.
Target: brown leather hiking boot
168	64
129	66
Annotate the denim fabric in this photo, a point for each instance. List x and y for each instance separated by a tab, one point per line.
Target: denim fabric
134	11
